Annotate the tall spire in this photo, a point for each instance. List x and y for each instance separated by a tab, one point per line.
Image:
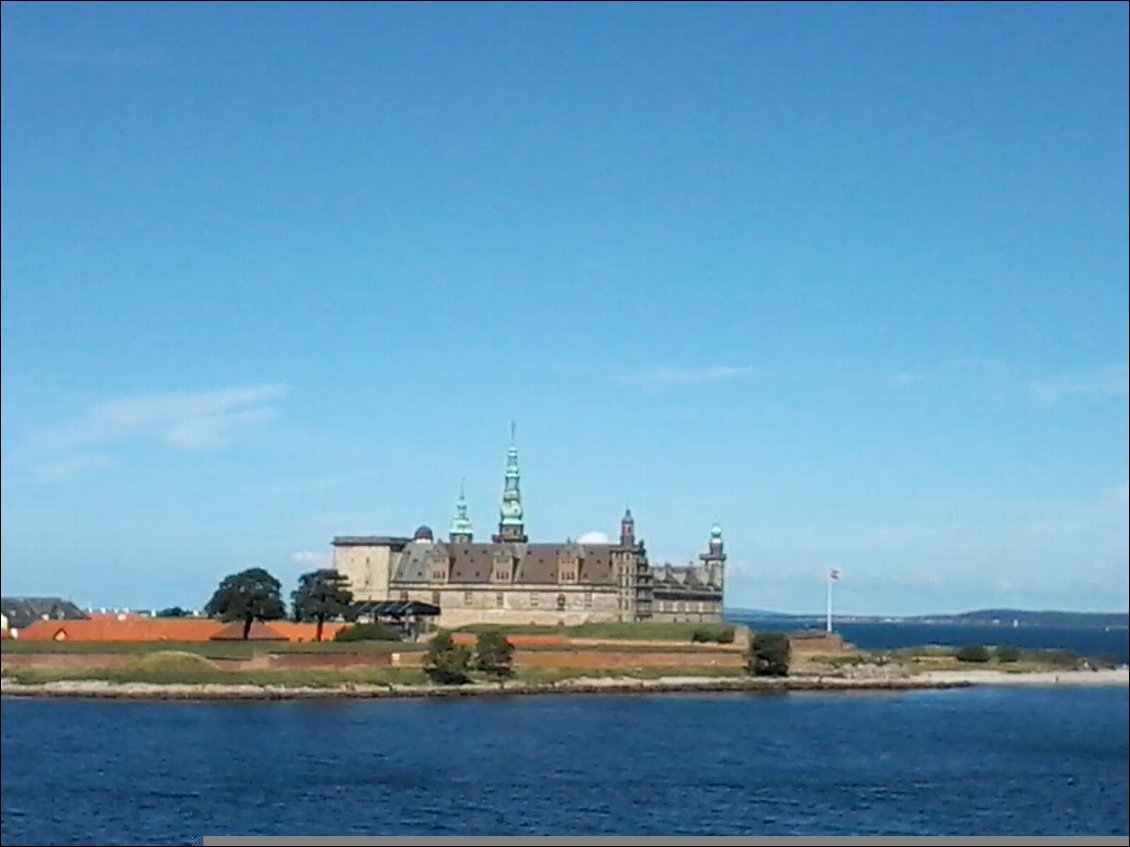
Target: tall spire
628	529
461	529
511	523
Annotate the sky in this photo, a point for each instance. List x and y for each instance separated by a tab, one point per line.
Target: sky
850	280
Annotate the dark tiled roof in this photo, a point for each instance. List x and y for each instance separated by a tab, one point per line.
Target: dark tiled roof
534	563
23	611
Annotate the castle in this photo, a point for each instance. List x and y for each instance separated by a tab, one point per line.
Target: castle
511	580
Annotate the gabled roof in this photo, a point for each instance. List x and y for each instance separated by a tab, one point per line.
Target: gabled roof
259	632
23	611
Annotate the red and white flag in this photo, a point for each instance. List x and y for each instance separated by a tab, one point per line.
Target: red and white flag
834	575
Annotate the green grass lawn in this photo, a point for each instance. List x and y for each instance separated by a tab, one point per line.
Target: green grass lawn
187	673
210	649
621	631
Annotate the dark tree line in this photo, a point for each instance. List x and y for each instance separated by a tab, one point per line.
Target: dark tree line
254	595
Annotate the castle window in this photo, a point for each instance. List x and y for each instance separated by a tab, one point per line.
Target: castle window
533	599
403	596
560	602
466	598
498	599
435	598
588	601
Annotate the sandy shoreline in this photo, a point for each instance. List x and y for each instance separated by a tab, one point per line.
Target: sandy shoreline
100	689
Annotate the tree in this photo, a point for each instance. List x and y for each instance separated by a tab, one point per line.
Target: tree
769	654
446	662
173	612
1005	654
321	595
495	655
972	653
247	596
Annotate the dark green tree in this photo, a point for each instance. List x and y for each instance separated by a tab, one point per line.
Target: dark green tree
495	655
1005	654
769	654
173	612
973	653
247	596
320	596
446	662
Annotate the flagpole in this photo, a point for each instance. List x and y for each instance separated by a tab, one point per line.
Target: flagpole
829	578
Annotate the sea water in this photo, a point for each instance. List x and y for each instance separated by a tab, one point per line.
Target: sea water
1043	761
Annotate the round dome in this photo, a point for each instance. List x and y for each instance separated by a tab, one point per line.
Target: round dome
424	533
716	532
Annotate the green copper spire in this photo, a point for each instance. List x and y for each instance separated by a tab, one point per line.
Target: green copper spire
461	529
511	524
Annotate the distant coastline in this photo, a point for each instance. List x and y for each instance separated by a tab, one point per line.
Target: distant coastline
102	689
1002	618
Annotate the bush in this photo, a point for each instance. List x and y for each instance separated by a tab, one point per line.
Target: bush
718	633
769	654
367	632
1006	654
495	655
972	653
447	663
1106	661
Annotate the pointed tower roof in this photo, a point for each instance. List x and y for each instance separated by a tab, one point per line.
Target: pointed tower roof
461	524
511	524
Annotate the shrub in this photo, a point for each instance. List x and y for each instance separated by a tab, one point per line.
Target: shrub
1006	654
972	653
1106	661
769	654
719	633
367	632
446	662
495	655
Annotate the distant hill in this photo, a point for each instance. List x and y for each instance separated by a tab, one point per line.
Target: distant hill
979	617
1119	620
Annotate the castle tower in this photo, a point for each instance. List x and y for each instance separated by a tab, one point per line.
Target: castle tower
714	558
627	529
461	529
511	525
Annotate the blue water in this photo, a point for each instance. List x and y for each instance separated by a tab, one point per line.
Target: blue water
1045	761
1085	641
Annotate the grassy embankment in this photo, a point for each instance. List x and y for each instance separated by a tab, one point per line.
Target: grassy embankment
176	666
169	667
685	632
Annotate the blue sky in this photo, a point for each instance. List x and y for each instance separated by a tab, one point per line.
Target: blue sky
849	280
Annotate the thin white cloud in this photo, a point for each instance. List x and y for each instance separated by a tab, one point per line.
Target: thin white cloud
308	557
181	420
63	468
594	537
689	376
1111	381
